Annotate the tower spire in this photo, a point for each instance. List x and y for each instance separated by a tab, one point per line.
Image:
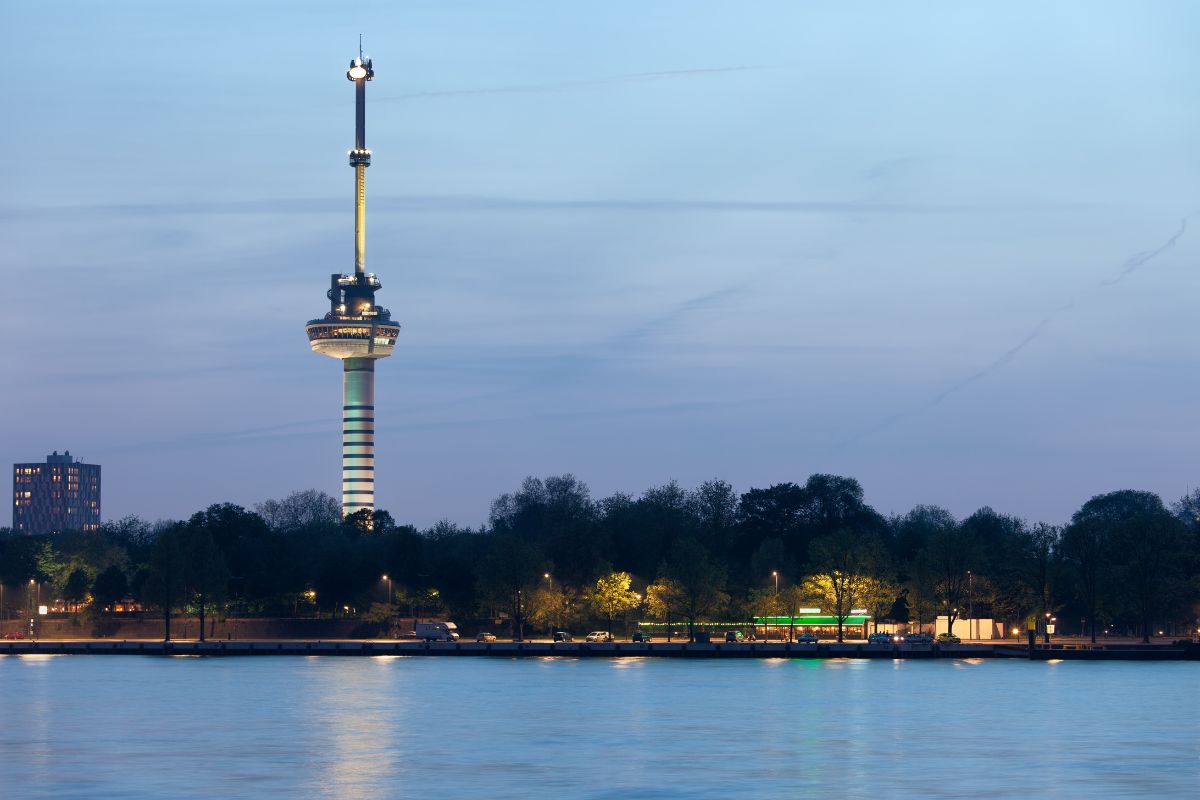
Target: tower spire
359	73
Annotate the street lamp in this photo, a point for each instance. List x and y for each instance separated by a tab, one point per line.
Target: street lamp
546	575
970	604
33	606
520	627
389	580
775	575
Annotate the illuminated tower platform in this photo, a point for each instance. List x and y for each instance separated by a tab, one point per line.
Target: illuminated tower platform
356	331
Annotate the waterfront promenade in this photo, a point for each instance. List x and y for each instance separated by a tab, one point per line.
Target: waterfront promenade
534	649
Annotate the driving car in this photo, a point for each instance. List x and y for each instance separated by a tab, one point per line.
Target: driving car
598	636
734	636
948	638
879	638
484	636
640	636
807	638
562	636
918	638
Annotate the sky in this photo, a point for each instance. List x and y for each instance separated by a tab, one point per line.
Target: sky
947	249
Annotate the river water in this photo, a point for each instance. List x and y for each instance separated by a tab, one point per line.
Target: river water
349	727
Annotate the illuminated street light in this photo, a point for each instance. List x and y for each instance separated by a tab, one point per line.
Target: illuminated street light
389	580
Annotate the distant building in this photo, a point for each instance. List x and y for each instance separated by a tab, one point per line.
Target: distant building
61	495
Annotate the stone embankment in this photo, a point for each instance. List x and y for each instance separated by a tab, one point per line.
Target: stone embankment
1182	652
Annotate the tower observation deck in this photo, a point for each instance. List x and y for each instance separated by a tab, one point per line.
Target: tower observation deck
356	331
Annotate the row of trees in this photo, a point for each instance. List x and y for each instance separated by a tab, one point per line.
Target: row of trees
552	556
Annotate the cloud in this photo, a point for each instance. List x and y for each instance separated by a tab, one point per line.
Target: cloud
634	77
476	203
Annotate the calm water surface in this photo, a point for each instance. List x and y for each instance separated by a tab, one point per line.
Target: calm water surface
134	727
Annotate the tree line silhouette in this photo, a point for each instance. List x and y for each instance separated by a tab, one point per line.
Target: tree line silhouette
551	556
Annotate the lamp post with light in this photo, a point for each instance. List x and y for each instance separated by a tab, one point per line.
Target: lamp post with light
34	605
971	628
775	575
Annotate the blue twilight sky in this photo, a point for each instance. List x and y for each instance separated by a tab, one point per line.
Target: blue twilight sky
939	247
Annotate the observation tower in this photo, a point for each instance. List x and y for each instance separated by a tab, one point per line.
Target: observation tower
356	331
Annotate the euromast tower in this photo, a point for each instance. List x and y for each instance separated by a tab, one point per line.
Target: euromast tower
356	331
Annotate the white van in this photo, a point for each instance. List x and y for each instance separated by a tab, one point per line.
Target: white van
437	631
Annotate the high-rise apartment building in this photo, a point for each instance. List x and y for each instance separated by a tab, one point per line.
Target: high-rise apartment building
61	495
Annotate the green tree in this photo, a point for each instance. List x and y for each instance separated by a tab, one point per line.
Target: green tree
509	568
767	601
879	596
164	583
109	587
75	588
715	505
558	517
1089	544
548	607
49	565
665	600
771	557
948	558
1152	548
1035	565
612	596
700	579
843	563
1187	508
300	510
205	576
920	594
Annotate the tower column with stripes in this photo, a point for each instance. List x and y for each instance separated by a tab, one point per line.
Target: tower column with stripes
358	434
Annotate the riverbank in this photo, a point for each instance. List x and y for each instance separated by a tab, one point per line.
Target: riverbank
599	650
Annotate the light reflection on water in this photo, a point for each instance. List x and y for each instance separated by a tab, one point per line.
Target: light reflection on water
342	727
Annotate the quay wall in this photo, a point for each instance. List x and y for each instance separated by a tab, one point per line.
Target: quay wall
586	650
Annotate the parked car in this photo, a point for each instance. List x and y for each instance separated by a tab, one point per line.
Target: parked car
598	636
562	636
702	637
484	636
879	638
734	636
807	638
919	638
14	635
948	638
640	636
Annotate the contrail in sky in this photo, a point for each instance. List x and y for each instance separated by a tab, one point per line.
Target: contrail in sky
1130	265
1137	259
555	87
